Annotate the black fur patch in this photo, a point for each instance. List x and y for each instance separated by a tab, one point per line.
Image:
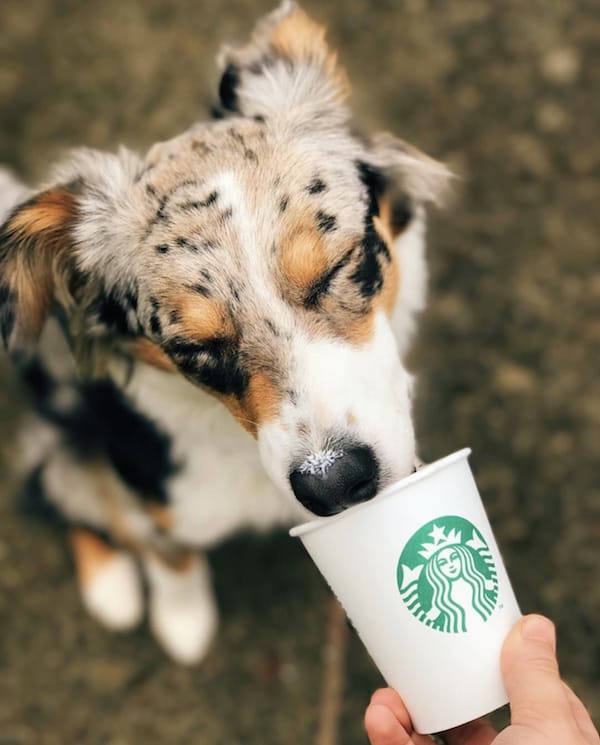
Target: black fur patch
212	363
104	424
202	290
326	223
228	88
7	312
194	205
186	243
155	324
316	186
283	204
161	213
137	448
113	314
368	275
321	286
375	183
33	500
162	248
402	214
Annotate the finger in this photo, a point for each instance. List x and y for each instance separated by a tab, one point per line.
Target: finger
383	728
531	676
582	717
478	732
390	698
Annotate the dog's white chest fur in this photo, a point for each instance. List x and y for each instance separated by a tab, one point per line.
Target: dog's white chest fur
220	485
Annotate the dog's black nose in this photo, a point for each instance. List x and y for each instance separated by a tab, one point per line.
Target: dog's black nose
330	481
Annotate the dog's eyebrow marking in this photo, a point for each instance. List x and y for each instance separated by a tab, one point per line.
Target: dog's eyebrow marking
316	186
183	242
199	204
201	290
326	223
321	286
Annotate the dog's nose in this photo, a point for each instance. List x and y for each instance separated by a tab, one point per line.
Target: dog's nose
329	481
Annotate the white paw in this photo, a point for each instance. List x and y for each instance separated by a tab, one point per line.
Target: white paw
185	631
114	594
183	614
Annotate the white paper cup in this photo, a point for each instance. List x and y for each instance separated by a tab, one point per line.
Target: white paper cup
420	576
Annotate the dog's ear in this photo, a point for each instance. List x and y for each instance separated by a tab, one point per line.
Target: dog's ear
399	177
286	69
36	251
51	242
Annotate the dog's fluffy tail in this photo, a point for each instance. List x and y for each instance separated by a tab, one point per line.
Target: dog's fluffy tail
11	192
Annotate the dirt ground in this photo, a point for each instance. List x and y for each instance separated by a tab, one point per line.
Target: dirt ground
505	92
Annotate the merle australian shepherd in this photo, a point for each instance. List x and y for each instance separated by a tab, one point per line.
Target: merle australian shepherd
213	332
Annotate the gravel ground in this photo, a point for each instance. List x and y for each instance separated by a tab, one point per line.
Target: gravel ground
507	93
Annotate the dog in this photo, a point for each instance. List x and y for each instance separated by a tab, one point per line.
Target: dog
213	332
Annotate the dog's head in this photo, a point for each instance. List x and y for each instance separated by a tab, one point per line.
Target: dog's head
257	255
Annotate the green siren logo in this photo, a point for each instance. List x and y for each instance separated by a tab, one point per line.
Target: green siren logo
447	577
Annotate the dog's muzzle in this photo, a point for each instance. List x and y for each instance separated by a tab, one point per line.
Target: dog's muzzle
329	481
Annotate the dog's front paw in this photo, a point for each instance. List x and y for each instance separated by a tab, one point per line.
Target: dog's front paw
183	613
113	595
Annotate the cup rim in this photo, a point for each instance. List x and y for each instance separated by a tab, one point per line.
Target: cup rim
422	473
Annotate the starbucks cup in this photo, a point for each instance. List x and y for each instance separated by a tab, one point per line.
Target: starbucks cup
420	576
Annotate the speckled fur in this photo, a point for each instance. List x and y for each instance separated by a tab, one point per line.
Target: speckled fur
247	264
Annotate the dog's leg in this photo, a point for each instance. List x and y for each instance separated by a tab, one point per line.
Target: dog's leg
183	612
109	581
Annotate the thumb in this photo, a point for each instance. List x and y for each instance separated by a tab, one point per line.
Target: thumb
531	675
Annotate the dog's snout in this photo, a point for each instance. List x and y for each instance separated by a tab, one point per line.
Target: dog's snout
329	481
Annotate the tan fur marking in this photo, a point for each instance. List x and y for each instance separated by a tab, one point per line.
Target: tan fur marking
91	554
298	37
202	318
151	354
51	210
239	412
391	271
260	403
361	330
35	266
263	398
303	258
161	516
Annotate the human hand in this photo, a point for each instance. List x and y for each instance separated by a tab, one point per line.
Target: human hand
544	710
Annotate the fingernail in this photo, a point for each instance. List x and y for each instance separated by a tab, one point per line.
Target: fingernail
539	629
